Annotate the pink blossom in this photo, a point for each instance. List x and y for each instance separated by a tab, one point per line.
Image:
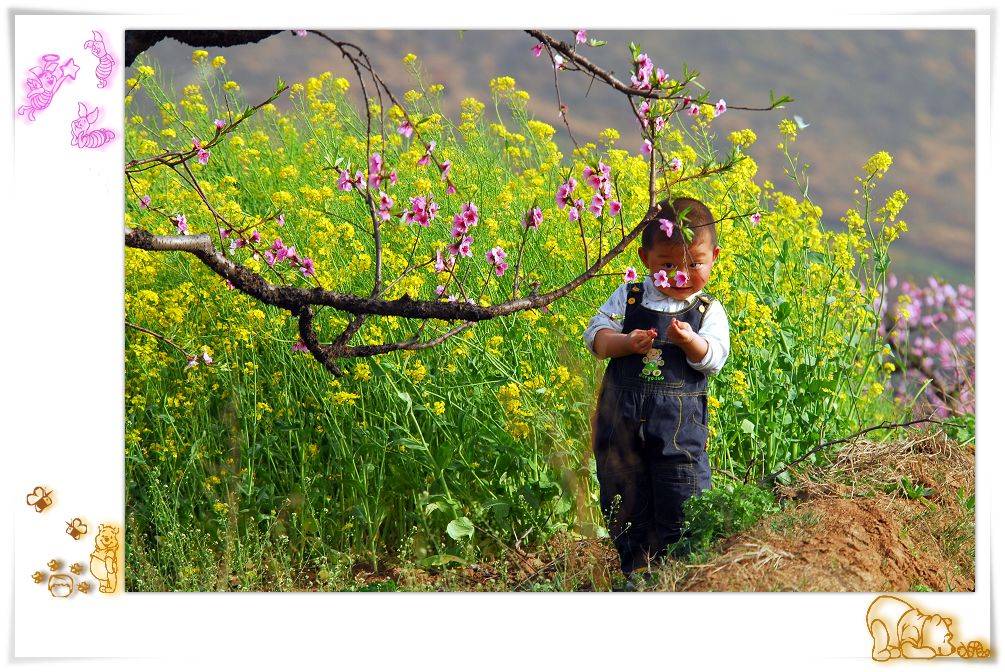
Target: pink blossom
386	203
720	107
405	128
755	218
537	49
581	36
300	32
442	264
597	177
533	218
181	223
647	147
680	278
202	156
440	289
229	284
597	205
564	193
376	163
451	189
144	201
219	123
444	169
495	255
196	144
255	236
615	207
206	358
643	113
307	266
224	233
299	346
423	211
559	61
425	158
345	181
460	227
470	214
675	164
660	278
501	268
658	124
270	258
630	274
464	249
667	226
281	220
693	110
686	101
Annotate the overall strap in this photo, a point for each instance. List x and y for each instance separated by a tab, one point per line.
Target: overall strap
633	301
704	301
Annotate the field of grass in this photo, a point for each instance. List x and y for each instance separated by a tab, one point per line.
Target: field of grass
262	471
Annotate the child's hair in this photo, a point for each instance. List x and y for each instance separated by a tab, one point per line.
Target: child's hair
698	218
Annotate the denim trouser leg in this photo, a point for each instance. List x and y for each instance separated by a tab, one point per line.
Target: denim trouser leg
623	474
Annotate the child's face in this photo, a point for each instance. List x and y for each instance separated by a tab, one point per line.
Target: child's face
695	261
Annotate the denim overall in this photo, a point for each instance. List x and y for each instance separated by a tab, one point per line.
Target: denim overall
649	437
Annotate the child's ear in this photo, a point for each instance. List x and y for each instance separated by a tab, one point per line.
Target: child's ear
644	256
715	253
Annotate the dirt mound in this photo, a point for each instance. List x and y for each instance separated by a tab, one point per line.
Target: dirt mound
881	517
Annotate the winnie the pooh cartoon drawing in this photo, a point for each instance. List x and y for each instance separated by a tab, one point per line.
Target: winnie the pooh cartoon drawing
900	631
105	558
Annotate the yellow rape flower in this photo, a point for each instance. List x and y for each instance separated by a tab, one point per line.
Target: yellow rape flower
219	62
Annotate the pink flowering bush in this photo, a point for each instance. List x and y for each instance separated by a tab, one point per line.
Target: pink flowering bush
931	330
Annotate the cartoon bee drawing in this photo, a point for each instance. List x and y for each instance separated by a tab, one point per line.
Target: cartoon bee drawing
40	498
105	61
76	528
82	136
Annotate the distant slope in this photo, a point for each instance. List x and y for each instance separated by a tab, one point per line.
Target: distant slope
908	92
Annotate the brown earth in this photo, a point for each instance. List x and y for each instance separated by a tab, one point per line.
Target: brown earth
854	526
850	526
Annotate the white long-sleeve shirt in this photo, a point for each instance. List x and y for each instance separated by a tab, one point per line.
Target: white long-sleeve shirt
715	328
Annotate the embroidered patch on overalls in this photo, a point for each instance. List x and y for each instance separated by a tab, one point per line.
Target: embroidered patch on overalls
651	363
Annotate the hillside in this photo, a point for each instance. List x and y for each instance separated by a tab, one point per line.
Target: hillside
909	92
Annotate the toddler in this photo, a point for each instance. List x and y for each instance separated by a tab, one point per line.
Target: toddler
651	423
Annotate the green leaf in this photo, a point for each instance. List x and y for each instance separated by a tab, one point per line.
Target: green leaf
460	528
747	427
405	397
436	506
596	43
439	560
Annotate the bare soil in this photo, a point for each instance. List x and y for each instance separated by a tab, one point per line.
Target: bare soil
890	516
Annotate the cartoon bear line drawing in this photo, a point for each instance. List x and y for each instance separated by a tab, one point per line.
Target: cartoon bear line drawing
901	631
105	558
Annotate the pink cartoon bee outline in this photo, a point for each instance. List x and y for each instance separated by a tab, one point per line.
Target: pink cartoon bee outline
43	82
81	134
106	63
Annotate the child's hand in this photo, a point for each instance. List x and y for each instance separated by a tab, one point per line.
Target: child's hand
680	333
640	341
